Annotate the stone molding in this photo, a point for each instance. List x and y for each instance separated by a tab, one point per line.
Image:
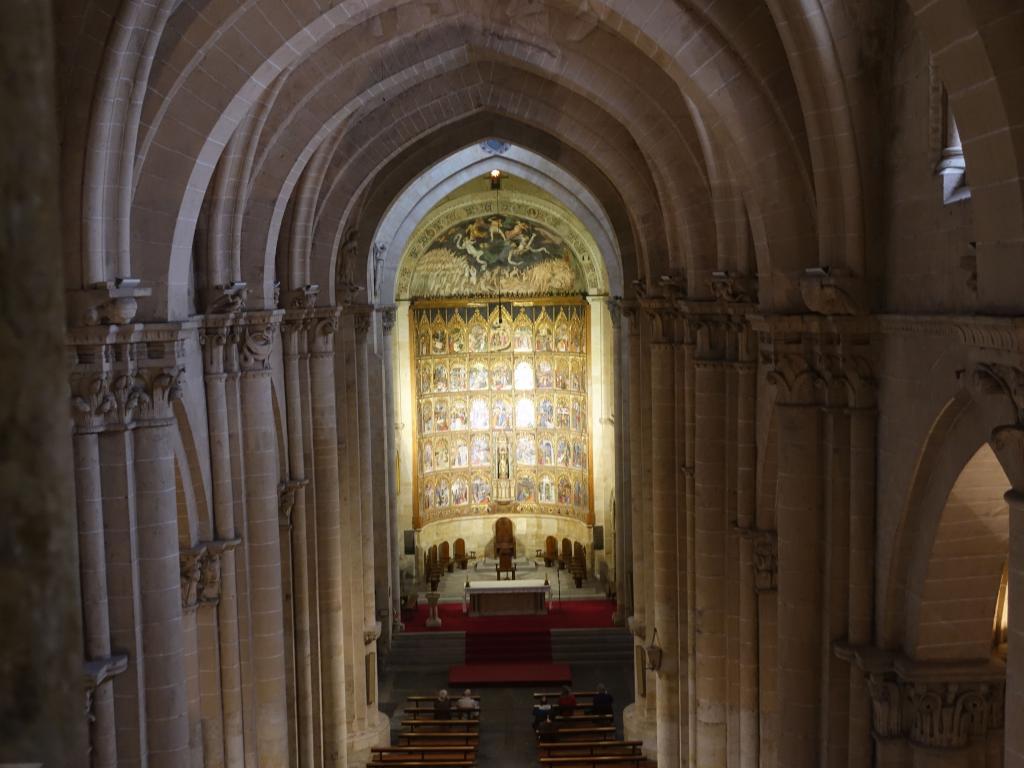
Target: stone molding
114	302
937	705
993	333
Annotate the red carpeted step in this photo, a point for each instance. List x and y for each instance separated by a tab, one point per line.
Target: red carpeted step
502	648
508	674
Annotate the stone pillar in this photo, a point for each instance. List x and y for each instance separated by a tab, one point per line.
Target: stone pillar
216	361
259	443
387	317
160	575
800	532
1014	749
862	574
666	532
363	326
710	539
304	562
746	510
329	542
41	647
640	564
350	472
96	618
623	495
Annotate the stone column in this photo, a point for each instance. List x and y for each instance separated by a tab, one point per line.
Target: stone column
387	316
350	472
710	539
215	359
259	443
800	532
96	618
363	326
746	510
329	543
304	563
160	573
623	495
1014	749
41	645
666	531
640	564
862	574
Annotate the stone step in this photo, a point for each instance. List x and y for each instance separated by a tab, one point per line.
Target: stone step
591	645
425	650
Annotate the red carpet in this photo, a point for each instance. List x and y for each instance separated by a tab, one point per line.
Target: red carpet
571	614
508	674
500	647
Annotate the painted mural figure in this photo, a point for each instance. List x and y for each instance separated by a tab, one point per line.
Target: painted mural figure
458	416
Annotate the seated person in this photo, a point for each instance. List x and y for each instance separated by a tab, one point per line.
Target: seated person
467	706
566	702
548	729
541	712
442	706
602	702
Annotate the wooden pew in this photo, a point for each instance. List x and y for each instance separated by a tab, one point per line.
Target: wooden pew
415	699
593	761
553	696
584	719
423	738
425	755
589	748
586	733
415	725
427	713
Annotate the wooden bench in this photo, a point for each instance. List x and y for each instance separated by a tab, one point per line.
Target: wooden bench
586	733
584	719
420	764
592	761
412	738
553	696
426	725
589	748
427	713
431	699
427	753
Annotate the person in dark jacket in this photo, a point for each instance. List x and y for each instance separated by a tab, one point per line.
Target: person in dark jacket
442	706
602	702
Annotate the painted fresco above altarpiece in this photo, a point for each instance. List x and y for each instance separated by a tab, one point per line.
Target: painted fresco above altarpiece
515	249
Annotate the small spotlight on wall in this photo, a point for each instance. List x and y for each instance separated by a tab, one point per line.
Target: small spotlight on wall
496	179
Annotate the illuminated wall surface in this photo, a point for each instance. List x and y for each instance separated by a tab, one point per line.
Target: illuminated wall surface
502	408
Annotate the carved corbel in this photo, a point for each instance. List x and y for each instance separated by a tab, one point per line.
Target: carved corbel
96	672
286	501
191	576
828	291
114	302
766	561
371	633
255	345
734	289
387	319
227	299
304	297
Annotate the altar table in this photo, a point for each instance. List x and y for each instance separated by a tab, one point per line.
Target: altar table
507	598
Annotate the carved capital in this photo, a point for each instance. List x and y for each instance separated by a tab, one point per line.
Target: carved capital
934	705
161	388
92	401
256	343
999	379
321	334
191	561
371	633
387	319
362	316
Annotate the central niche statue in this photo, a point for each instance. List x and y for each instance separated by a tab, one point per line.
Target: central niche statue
503	486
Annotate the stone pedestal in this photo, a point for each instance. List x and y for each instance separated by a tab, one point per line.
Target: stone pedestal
433	620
